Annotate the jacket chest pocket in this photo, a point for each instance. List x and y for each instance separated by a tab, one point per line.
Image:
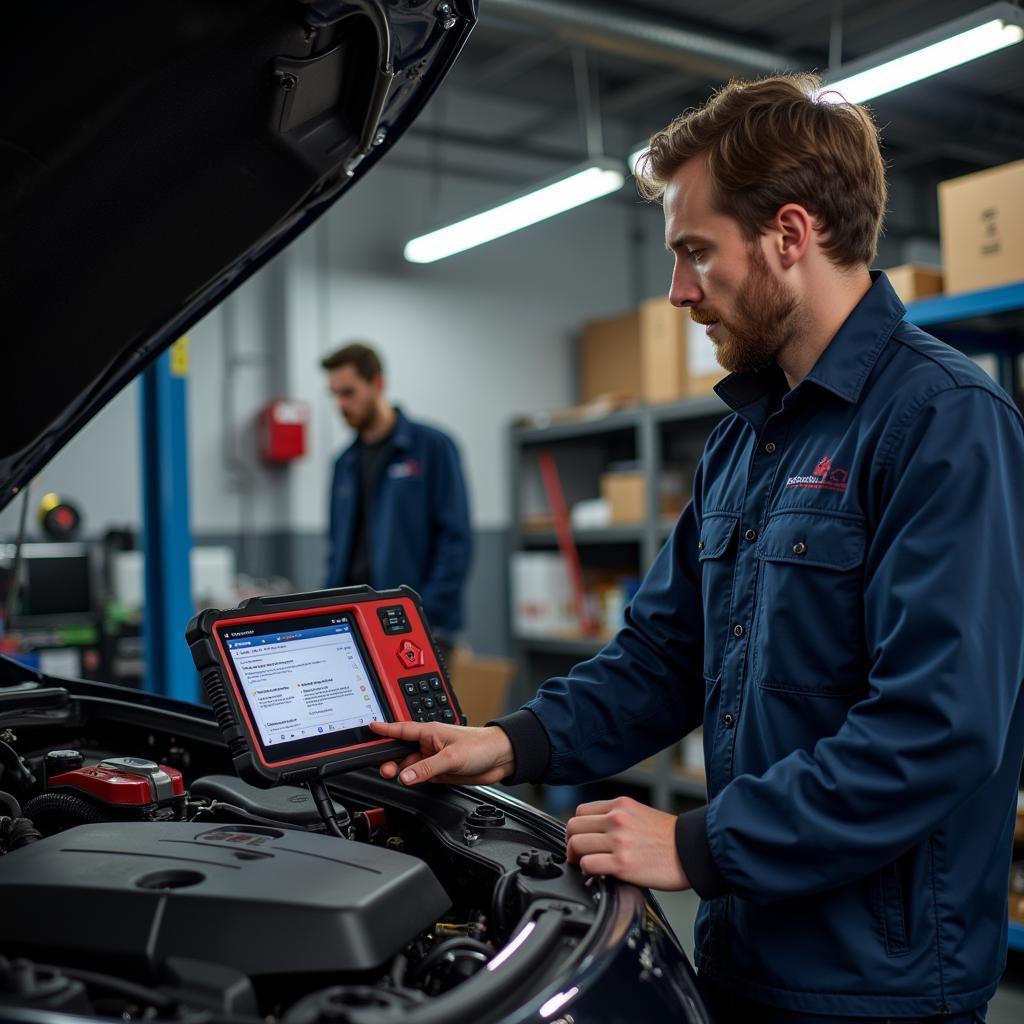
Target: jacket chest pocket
808	632
717	556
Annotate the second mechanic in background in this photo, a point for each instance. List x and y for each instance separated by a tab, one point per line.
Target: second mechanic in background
399	513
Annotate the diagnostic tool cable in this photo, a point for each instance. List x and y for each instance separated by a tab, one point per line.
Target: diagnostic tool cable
325	805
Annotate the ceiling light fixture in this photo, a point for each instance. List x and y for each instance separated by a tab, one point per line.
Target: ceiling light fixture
948	46
985	31
581	185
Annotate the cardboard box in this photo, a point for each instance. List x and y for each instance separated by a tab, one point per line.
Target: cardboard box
912	281
482	684
678	357
610	358
626	494
655	353
980	221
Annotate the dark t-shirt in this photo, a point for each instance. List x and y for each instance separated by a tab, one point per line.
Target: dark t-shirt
372	460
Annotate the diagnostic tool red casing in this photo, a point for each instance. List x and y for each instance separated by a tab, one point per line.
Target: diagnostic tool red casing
401	652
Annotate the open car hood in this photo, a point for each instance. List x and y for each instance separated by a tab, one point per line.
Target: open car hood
153	156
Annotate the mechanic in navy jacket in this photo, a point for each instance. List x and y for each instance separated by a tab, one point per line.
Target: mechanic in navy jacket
840	605
399	513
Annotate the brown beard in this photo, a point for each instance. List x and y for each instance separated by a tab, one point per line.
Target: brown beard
764	321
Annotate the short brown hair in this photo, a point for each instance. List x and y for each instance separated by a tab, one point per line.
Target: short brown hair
362	357
781	140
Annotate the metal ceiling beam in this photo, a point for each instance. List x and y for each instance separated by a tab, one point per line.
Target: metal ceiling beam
498	144
499	72
641	36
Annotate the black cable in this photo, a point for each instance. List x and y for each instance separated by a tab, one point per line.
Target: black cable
129	989
10	760
218	806
325	805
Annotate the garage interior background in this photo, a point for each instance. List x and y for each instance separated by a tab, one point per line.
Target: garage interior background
478	340
474	340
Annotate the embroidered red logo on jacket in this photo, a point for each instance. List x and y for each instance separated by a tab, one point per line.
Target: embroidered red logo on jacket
823	478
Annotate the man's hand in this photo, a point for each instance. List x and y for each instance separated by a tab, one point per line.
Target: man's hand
448	753
627	840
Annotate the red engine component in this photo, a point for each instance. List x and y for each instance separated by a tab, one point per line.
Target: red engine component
125	782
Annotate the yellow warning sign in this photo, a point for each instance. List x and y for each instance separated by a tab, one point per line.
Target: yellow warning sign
179	357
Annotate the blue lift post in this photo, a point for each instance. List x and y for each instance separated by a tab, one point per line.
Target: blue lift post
166	536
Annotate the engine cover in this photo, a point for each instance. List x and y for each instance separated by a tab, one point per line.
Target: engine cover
262	900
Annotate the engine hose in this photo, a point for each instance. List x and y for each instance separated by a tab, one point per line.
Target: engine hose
461	946
13	807
54	812
219	811
16	833
499	904
14	764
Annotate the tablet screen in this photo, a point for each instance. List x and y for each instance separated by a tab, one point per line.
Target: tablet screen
307	682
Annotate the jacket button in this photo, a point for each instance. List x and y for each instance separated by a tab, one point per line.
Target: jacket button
737	630
770	447
750	535
728	721
700	545
799	548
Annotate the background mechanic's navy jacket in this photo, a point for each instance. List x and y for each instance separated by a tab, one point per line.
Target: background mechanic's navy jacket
420	534
841	605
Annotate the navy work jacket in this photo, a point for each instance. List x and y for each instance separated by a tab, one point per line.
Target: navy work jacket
419	533
841	606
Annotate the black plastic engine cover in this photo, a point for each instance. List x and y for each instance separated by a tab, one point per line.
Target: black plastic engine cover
262	900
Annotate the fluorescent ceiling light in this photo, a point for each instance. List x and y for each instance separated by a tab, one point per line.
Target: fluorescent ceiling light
592	181
924	62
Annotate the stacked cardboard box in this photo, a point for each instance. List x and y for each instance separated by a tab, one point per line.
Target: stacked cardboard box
654	353
981	217
482	684
911	281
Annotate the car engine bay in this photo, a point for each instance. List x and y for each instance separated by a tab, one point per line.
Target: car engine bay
140	879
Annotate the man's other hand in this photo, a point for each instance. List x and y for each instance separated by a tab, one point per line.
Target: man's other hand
448	753
626	840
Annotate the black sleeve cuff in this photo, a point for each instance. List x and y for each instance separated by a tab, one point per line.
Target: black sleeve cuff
695	855
530	745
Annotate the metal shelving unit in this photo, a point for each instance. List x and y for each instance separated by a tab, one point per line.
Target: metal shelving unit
987	321
575	647
640	428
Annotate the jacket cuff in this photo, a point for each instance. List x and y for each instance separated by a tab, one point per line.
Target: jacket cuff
530	746
695	855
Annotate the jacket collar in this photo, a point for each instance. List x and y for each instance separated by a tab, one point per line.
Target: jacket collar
401	436
844	366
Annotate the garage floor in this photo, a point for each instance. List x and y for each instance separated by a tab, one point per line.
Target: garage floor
1007	1007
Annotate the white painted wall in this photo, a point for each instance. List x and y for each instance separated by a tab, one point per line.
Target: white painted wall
468	344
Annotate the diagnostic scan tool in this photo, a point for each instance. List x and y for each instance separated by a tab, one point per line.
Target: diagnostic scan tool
295	681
